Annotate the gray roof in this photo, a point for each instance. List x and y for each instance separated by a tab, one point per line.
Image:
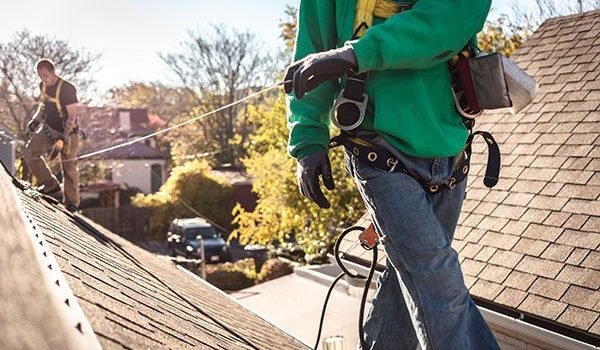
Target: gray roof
532	243
131	298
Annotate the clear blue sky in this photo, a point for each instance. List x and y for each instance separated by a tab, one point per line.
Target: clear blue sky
130	33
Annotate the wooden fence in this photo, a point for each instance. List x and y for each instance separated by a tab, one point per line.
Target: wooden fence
129	222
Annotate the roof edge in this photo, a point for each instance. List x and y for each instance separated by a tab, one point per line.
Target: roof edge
75	329
222	293
551	329
533	331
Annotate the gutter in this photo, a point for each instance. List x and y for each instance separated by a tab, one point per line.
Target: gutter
534	332
500	318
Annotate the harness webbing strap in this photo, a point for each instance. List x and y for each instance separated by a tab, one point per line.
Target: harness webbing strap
384	160
367	10
492	170
56	99
364	15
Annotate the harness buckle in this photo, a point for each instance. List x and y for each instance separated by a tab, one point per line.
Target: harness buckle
347	114
451	183
392	163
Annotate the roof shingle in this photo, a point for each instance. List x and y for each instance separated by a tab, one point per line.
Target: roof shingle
132	298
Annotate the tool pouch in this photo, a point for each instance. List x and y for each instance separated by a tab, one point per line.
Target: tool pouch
491	81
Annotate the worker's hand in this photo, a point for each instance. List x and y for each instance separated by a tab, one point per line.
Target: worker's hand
308	171
305	75
55	149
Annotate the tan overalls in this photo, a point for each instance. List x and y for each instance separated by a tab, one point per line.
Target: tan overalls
37	149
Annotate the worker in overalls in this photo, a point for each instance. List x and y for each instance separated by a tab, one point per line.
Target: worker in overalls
54	134
384	67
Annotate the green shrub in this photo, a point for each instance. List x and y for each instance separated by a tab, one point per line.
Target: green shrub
272	269
232	276
190	191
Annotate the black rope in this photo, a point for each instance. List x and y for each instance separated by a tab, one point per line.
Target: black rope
346	271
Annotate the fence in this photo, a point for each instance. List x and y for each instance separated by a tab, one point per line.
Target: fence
129	222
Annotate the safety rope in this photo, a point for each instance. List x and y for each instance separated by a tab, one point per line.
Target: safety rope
159	132
346	272
367	10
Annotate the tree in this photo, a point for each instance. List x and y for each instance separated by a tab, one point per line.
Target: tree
218	68
508	32
19	84
166	102
281	211
189	191
544	9
289	27
502	35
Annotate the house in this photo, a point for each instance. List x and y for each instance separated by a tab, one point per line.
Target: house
68	283
8	144
140	165
530	247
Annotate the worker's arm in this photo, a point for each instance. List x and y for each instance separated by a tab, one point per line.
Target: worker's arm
308	118
422	37
68	98
71	121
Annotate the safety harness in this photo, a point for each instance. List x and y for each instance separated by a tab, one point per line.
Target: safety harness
45	98
350	108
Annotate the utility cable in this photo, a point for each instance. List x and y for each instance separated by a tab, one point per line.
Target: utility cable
347	272
162	131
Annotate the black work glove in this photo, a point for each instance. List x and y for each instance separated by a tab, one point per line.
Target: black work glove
305	75
308	171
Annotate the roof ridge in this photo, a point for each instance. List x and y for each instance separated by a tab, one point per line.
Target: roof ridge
571	16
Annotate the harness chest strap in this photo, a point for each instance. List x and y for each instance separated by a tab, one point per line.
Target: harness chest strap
56	99
351	104
367	10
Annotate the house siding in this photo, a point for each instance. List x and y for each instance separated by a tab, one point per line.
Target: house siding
136	173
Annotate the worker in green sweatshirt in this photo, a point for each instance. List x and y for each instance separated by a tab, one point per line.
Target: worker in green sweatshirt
403	154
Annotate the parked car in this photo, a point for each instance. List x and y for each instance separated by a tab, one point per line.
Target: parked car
184	239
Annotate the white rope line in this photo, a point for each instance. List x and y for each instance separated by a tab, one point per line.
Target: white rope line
142	138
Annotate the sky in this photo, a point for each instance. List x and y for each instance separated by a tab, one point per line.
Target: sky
130	34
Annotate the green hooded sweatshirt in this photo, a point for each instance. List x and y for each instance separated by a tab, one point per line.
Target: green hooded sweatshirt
409	85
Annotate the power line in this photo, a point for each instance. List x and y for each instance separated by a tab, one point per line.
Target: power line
159	132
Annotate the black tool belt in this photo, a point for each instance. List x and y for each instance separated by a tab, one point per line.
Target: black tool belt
383	159
53	139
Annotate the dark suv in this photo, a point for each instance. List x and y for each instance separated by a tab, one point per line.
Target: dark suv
184	239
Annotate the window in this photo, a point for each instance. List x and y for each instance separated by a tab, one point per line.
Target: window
205	232
156	179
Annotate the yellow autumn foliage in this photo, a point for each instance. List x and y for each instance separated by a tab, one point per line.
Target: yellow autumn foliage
281	211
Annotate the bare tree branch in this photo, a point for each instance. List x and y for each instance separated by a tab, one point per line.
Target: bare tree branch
220	66
20	84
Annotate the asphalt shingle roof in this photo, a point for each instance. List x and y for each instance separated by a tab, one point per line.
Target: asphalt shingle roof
134	299
532	244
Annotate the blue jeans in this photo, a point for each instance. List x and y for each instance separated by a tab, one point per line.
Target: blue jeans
421	297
